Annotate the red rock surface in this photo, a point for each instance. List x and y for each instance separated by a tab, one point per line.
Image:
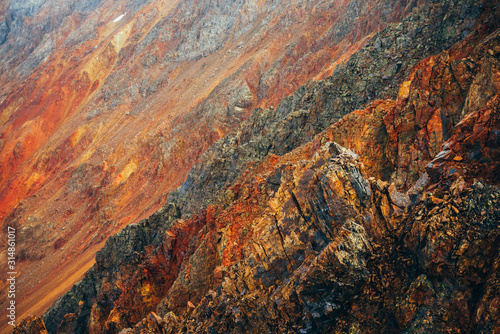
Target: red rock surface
472	152
30	325
97	136
402	136
87	148
309	242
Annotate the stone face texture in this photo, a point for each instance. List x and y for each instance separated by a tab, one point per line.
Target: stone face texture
101	119
30	325
311	218
314	241
375	72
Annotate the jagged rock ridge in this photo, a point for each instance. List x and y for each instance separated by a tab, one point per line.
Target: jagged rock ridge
374	72
106	106
309	242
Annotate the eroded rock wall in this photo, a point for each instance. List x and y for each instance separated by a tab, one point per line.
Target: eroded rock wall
323	238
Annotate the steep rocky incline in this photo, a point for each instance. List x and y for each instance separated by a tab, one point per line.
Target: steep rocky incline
106	105
397	232
375	72
124	252
308	244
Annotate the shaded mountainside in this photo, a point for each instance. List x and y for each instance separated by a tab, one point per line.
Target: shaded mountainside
312	218
376	71
106	105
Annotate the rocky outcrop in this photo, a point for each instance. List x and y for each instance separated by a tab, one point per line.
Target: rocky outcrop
473	152
440	94
366	76
313	240
106	106
30	325
396	139
308	244
125	250
280	228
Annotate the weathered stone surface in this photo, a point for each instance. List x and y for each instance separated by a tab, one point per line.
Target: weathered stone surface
397	139
440	93
316	105
30	325
106	105
124	250
474	150
281	229
308	245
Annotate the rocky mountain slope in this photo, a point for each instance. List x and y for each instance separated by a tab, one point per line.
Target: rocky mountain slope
309	216
105	107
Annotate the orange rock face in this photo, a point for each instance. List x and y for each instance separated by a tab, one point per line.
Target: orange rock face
312	241
473	151
104	118
31	325
404	135
102	115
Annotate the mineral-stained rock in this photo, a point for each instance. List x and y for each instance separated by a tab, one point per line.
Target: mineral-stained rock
152	324
30	325
402	136
293	226
474	150
456	245
105	106
316	105
124	250
309	245
426	116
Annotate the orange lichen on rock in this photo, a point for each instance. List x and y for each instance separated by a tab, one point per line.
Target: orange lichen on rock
98	134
